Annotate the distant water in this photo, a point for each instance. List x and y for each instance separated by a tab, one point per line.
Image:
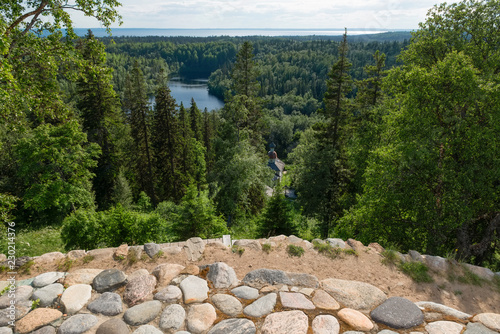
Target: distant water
183	90
101	32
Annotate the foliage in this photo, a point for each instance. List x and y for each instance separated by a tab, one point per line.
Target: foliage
238	250
54	163
417	271
294	250
278	216
266	248
389	257
35	241
196	217
332	252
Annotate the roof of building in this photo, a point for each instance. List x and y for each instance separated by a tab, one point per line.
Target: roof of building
277	165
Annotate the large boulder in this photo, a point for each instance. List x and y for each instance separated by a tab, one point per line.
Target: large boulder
354	294
194	249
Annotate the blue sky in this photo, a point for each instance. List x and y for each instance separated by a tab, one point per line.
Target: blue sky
285	14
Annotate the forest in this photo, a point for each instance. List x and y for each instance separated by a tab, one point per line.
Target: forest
387	140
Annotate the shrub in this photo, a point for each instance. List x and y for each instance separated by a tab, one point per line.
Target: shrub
83	229
390	257
266	248
332	252
293	250
238	250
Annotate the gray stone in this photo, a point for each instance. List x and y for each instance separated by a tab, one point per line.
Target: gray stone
137	273
477	328
261	306
294	240
22	293
354	294
416	256
77	324
75	297
7	330
23	282
170	294
296	301
227	304
482	272
436	263
45	330
166	272
335	242
323	300
113	326
173	317
325	324
194	249
245	292
490	320
171	250
147	329
194	289
250	244
109	303
109	280
222	276
440	327
20	310
101	253
76	254
139	289
431	306
234	326
151	249
304	280
289	322
48	294
387	331
200	318
49	258
47	278
262	277
398	313
142	313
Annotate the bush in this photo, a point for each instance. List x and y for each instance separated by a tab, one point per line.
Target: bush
83	229
293	250
278	217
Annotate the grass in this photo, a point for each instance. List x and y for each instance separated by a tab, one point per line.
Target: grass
390	257
238	250
333	252
65	265
87	258
496	282
266	248
25	269
38	242
469	277
293	250
418	271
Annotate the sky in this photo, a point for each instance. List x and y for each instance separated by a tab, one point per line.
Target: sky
273	14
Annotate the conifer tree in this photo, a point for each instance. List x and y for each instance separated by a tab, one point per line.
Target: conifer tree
167	145
137	107
99	108
195	121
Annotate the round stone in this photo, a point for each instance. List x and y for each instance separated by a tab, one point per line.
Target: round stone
234	326
325	324
48	294
170	294
142	313
200	318
147	329
261	306
113	326
227	304
324	301
75	297
109	303
173	317
289	322
109	280
355	319
245	292
398	313
490	320
77	324
448	327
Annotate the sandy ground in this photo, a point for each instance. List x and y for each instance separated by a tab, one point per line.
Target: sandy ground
365	267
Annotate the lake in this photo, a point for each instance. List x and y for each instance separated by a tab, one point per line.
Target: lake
184	90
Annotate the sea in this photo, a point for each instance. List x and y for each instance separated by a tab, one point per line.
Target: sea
140	32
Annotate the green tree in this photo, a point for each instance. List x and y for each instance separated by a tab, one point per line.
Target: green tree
195	121
166	139
137	107
197	217
54	162
100	111
278	216
431	185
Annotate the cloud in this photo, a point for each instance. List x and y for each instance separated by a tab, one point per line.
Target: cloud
300	14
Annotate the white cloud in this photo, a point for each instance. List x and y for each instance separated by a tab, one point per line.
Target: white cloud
304	14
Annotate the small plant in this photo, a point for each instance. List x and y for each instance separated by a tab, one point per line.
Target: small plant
293	250
7	288
87	258
390	257
457	292
145	257
132	258
4	269
65	265
35	304
349	251
119	258
417	271
157	256
332	252
238	250
25	269
266	248
496	282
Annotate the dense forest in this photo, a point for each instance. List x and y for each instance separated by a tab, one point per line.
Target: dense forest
385	140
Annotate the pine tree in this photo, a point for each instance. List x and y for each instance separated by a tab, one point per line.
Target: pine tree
99	108
167	146
195	121
137	107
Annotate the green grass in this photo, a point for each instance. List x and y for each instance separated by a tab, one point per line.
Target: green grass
238	250
390	257
417	271
266	248
293	250
38	242
469	277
